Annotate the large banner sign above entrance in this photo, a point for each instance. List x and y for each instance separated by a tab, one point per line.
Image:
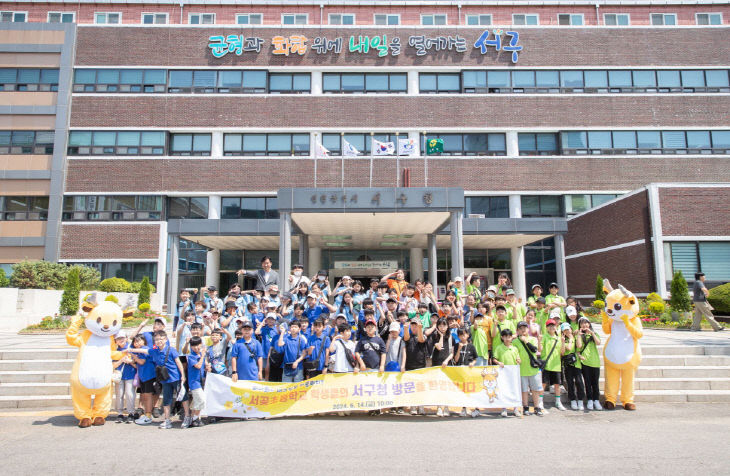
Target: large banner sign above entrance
308	200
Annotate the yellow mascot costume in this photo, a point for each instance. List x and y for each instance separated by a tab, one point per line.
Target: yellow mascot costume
622	353
92	371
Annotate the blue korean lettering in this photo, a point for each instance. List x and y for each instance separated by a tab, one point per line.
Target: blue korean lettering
513	47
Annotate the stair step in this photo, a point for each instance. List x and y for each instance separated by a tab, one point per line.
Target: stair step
683	359
38	354
682	371
690	396
35	389
45	364
35	401
44	376
680	349
675	384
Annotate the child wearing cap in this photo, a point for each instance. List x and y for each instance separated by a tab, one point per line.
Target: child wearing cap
340	354
247	357
555	301
466	355
318	343
536	294
571	317
541	313
124	389
422	314
196	368
572	367
515	308
551	375
588	342
507	354
501	323
294	347
531	380
481	338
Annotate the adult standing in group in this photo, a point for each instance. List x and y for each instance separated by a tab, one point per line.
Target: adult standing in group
396	280
264	277
702	307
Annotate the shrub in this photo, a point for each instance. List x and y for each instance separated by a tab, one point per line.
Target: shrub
70	299
112	298
115	285
599	304
88	277
144	307
144	291
4	281
719	298
24	276
136	286
656	307
680	300
47	275
600	293
654	297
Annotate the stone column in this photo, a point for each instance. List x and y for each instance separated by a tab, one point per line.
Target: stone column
519	282
284	247
416	264
457	245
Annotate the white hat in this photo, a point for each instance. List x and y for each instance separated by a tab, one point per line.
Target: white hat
311	295
492	288
571	311
121	334
555	312
271	315
458	278
346	277
272	304
394	326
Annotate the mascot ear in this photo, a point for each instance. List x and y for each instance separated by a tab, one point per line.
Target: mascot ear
607	288
90	302
128	312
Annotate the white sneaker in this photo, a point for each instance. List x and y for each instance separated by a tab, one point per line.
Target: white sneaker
421	411
580	405
597	405
414	411
446	412
544	410
463	412
589	405
143	420
475	413
559	405
440	412
186	422
166	424
504	413
573	405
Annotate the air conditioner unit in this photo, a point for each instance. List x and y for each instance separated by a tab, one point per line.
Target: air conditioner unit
475	215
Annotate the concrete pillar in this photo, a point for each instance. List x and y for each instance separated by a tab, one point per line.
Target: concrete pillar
213	268
517	258
316	82
216	144
172	292
304	252
457	245
515	206
660	271
284	247
560	264
432	261
315	261
161	284
416	136
416	264
413	86
513	146
214	207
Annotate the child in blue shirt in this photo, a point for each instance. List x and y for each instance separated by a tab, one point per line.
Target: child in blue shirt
318	343
124	389
162	354
247	356
294	347
196	369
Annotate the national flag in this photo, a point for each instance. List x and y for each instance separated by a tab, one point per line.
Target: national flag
383	148
406	146
348	150
434	146
320	151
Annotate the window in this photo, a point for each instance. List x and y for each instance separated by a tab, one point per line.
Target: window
341	19
154	18
667	19
538	143
542	206
249	18
201	18
364	82
116	143
125	80
266	144
61	17
190	144
17	17
479	19
489	207
709	18
380	19
711	258
187	207
644	142
294	19
292	83
580	203
439	83
362	142
125	270
26	142
570	19
521	19
107	18
27	79
616	19
250	207
112	208
433	19
14	208
470	144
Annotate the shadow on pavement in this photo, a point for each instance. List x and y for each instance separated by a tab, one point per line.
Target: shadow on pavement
61	420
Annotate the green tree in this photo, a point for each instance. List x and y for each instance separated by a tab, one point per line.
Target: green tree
600	293
4	281
70	299
680	300
24	276
88	277
144	291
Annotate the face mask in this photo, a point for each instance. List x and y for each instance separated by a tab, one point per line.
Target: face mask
320	278
297	273
274	294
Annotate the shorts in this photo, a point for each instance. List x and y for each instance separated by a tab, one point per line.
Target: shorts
198	396
169	393
482	361
147	387
533	382
550	378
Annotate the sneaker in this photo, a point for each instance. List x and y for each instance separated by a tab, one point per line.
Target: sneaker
463	412
559	405
721	328
166	424
440	412
475	413
129	419
539	411
212	419
544	410
580	406
518	412
589	405
526	411
400	411
597	405
446	412
196	423
421	411
186	422
119	418
504	414
573	405
143	420
414	411
341	414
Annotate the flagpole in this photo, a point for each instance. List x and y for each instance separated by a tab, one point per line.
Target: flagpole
425	160
397	161
342	152
372	151
315	159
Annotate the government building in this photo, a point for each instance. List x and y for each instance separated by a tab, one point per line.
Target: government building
551	140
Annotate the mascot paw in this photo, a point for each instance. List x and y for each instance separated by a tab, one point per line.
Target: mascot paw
629	406
609	405
85	423
98	421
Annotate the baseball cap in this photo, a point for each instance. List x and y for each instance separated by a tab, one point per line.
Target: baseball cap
120	334
346	277
492	288
271	315
370	321
540	300
550	322
311	295
571	311
554	285
415	320
341	315
536	286
555	312
564	326
271	305
161	320
212	288
298	265
510	292
230	304
394	326
521	324
246	324
458	278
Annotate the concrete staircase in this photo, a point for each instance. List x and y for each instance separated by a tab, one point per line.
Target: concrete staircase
38	379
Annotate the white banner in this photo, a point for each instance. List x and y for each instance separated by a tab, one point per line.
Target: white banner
406	146
348	150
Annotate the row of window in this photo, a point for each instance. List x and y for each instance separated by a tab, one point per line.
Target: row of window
711	258
427	19
26	142
644	142
464	82
13	208
129	271
28	79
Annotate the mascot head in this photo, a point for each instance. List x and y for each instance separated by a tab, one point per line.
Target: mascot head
620	302
103	319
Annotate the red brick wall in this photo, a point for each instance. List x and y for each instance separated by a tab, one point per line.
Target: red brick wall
425	112
631	266
622	222
154	46
694	211
101	241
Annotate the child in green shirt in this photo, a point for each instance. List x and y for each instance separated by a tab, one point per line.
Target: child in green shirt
507	354
500	323
480	338
572	367
423	315
529	348
551	375
588	343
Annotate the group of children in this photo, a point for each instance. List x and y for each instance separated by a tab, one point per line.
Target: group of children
393	326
